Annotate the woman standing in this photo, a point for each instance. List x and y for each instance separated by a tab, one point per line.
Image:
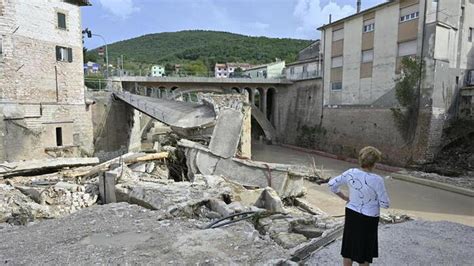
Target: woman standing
366	195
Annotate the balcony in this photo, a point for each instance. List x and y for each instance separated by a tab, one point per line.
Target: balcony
304	75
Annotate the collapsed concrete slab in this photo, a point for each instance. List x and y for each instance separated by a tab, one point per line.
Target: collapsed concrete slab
286	180
226	136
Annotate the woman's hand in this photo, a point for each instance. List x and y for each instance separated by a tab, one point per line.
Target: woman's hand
342	196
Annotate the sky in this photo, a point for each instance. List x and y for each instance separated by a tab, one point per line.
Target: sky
119	20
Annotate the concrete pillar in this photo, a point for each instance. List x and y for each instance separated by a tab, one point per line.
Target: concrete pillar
252	96
107	188
246	136
263	100
136	88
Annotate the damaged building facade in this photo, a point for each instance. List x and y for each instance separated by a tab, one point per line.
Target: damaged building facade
362	62
42	98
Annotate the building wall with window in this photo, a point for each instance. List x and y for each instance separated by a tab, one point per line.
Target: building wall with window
362	55
42	93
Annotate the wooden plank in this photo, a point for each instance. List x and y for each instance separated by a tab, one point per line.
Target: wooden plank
41	166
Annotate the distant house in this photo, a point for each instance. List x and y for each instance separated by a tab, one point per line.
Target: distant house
226	70
91	68
271	70
308	65
157	71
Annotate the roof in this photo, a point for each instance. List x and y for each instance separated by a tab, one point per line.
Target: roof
303	62
265	65
80	2
371	9
246	65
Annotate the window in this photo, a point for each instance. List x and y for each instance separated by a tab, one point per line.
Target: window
292	70
367	56
59	136
62	21
305	68
470	35
337	35
336	86
63	54
369	28
409	13
336	62
369	25
407	48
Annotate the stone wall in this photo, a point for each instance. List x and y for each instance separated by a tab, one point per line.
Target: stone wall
296	106
31	132
47	95
113	123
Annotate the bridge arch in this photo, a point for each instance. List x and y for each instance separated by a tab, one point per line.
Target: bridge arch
270	99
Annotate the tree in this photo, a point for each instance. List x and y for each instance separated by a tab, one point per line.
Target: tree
238	73
406	94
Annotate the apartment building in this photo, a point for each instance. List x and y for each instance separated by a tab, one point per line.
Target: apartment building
362	55
226	70
42	98
308	65
272	70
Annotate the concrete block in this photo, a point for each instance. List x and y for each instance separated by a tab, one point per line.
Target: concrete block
226	136
250	176
289	240
270	200
107	188
206	163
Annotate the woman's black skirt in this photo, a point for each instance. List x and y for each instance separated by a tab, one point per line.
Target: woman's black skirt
359	242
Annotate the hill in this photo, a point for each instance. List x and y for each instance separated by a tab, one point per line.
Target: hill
199	50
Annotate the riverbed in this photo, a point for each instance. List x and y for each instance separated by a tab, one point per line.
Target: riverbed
409	198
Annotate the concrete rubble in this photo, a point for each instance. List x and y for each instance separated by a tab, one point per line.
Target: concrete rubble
189	205
201	202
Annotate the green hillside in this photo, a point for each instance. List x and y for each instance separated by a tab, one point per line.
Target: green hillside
198	51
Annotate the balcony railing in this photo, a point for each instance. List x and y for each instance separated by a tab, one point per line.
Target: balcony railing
304	75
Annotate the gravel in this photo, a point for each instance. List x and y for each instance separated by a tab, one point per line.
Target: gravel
128	234
413	243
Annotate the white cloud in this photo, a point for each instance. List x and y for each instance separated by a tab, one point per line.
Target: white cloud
311	15
120	8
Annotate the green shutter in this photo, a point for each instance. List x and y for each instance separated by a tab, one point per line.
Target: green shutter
62	21
69	54
58	53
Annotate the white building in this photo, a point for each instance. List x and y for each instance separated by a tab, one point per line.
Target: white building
226	70
157	71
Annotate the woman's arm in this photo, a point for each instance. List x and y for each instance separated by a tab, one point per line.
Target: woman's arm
342	196
384	201
336	182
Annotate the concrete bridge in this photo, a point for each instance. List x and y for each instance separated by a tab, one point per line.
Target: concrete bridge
261	93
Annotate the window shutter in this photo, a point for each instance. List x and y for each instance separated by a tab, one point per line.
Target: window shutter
69	55
58	53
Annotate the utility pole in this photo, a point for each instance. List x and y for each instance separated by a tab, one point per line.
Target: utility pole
89	35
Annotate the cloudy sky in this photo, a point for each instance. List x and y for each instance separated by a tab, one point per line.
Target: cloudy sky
123	19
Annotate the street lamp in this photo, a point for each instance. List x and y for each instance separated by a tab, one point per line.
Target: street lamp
89	35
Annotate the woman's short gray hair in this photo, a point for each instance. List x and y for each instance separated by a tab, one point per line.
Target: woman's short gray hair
368	156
